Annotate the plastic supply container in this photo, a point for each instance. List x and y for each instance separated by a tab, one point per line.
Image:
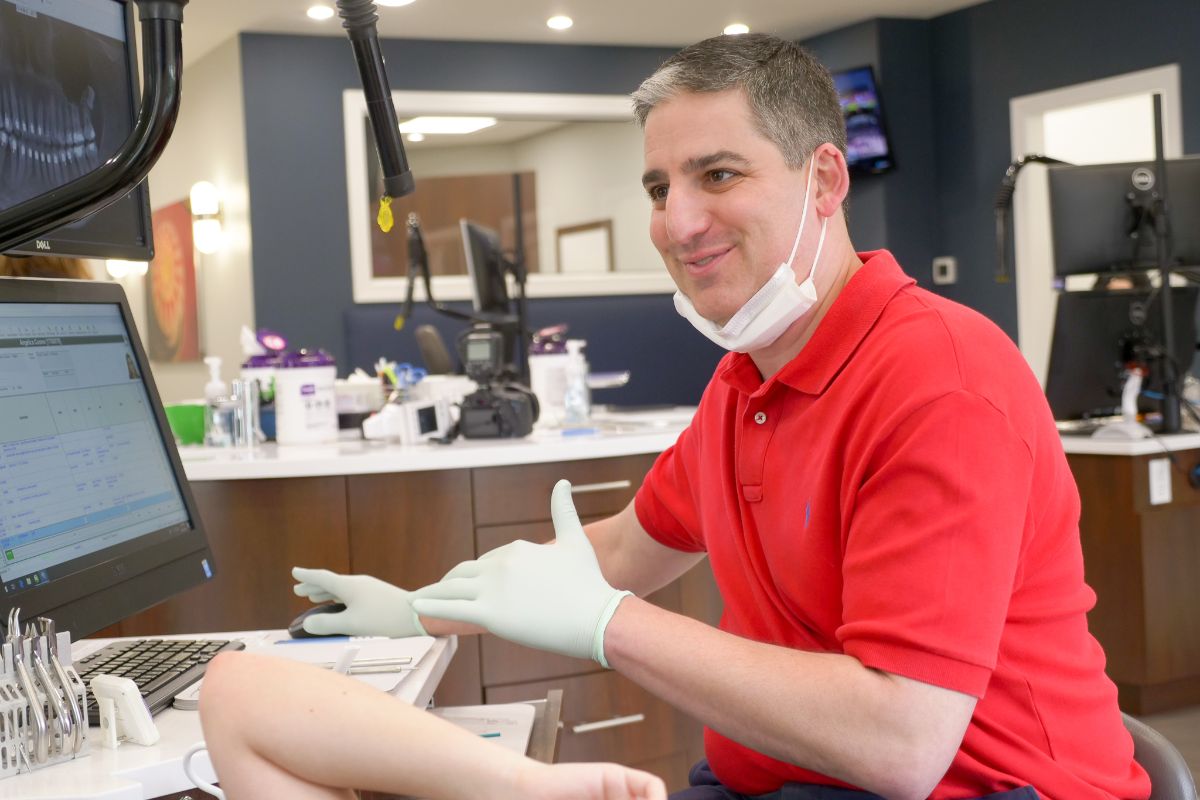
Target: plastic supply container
548	361
305	399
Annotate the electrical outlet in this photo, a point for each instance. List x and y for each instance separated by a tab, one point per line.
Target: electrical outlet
945	270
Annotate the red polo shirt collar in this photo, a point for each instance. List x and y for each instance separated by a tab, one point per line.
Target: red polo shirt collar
852	315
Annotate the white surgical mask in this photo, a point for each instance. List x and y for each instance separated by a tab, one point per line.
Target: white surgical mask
773	308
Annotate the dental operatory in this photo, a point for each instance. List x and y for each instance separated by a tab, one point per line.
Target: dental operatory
578	401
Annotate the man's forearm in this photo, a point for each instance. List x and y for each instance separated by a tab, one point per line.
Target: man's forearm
822	711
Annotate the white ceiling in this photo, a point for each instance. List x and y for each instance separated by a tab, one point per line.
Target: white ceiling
671	23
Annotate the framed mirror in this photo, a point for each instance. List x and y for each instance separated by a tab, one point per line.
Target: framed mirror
566	161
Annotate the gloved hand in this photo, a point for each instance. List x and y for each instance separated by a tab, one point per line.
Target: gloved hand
549	596
373	607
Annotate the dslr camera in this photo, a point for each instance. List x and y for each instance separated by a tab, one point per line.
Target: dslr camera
500	408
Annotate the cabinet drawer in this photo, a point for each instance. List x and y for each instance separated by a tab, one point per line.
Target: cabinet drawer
606	717
502	662
603	486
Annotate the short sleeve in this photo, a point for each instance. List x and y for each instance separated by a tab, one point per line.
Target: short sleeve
932	550
667	504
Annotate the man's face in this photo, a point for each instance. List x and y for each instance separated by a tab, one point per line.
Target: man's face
725	205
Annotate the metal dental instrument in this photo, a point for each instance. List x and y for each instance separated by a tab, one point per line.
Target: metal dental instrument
41	744
62	717
78	723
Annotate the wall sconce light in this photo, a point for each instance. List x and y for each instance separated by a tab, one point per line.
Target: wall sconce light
205	203
119	268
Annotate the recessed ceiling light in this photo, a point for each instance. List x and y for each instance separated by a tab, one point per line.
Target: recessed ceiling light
560	22
736	28
320	13
393	3
415	137
446	124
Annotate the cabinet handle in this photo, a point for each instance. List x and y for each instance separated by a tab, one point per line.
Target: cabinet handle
608	486
615	722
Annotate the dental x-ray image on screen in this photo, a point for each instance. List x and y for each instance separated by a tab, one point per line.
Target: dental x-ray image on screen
66	106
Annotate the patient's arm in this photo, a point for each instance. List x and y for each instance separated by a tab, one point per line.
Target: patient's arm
277	728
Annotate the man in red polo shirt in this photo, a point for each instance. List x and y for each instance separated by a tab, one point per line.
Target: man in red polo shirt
872	472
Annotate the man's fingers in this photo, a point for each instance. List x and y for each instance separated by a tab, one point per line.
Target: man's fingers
562	510
464	569
452	610
447	589
326	624
313	592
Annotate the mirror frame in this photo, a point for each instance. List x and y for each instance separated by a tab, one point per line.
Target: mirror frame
574	107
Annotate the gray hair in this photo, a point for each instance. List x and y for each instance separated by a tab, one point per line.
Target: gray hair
791	95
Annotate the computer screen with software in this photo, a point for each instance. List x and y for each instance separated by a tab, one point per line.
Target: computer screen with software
96	519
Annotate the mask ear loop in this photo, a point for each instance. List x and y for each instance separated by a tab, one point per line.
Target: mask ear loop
804	214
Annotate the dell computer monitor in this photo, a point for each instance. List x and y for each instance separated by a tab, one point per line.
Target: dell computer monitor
868	149
1097	332
1094	209
96	518
487	268
68	82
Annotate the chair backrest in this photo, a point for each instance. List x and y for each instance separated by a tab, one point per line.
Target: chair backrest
433	350
1170	776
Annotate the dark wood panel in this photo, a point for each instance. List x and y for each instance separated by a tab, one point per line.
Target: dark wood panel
1141	559
506	495
410	529
1110	532
1183	495
258	530
605	696
1171	557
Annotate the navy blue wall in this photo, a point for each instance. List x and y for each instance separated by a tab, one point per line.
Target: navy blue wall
946	85
984	56
295	152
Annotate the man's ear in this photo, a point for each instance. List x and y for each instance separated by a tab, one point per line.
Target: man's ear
832	179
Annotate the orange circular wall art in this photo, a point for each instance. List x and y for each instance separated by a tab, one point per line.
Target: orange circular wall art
171	288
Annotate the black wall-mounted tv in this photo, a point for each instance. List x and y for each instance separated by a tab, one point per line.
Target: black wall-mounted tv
868	149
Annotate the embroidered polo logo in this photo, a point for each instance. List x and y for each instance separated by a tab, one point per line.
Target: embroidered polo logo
807	512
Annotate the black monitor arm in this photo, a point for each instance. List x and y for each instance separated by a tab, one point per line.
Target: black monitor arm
162	64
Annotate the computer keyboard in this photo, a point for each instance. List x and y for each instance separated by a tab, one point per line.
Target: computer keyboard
161	668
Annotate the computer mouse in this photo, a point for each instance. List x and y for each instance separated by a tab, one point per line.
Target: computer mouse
296	629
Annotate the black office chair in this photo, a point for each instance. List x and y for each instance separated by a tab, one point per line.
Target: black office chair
433	350
1170	777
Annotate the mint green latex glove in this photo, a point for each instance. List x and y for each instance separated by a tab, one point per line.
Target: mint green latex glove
373	607
548	596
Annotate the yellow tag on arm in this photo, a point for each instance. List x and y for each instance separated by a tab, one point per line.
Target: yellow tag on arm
384	219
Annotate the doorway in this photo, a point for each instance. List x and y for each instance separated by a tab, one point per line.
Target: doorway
1098	122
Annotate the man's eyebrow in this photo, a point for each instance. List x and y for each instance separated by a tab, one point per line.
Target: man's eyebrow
698	164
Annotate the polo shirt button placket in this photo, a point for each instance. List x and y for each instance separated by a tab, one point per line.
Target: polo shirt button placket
752	455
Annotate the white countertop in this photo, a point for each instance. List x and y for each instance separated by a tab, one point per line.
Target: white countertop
1083	444
134	772
613	435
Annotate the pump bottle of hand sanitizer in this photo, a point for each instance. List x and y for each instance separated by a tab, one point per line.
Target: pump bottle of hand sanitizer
577	399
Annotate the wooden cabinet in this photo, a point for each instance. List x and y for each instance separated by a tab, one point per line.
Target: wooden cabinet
410	528
1141	559
605	716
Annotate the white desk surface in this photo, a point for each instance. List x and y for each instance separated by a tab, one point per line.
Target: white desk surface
1141	447
134	772
613	435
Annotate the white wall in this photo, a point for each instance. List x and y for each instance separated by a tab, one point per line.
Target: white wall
209	143
591	171
586	172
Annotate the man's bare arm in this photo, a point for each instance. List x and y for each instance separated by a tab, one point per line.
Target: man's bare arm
825	712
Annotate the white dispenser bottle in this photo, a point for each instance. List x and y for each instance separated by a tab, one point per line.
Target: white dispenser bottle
577	398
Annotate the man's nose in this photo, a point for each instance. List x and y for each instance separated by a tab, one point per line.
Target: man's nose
687	215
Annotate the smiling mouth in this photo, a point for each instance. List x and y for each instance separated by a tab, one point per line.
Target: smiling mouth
700	264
